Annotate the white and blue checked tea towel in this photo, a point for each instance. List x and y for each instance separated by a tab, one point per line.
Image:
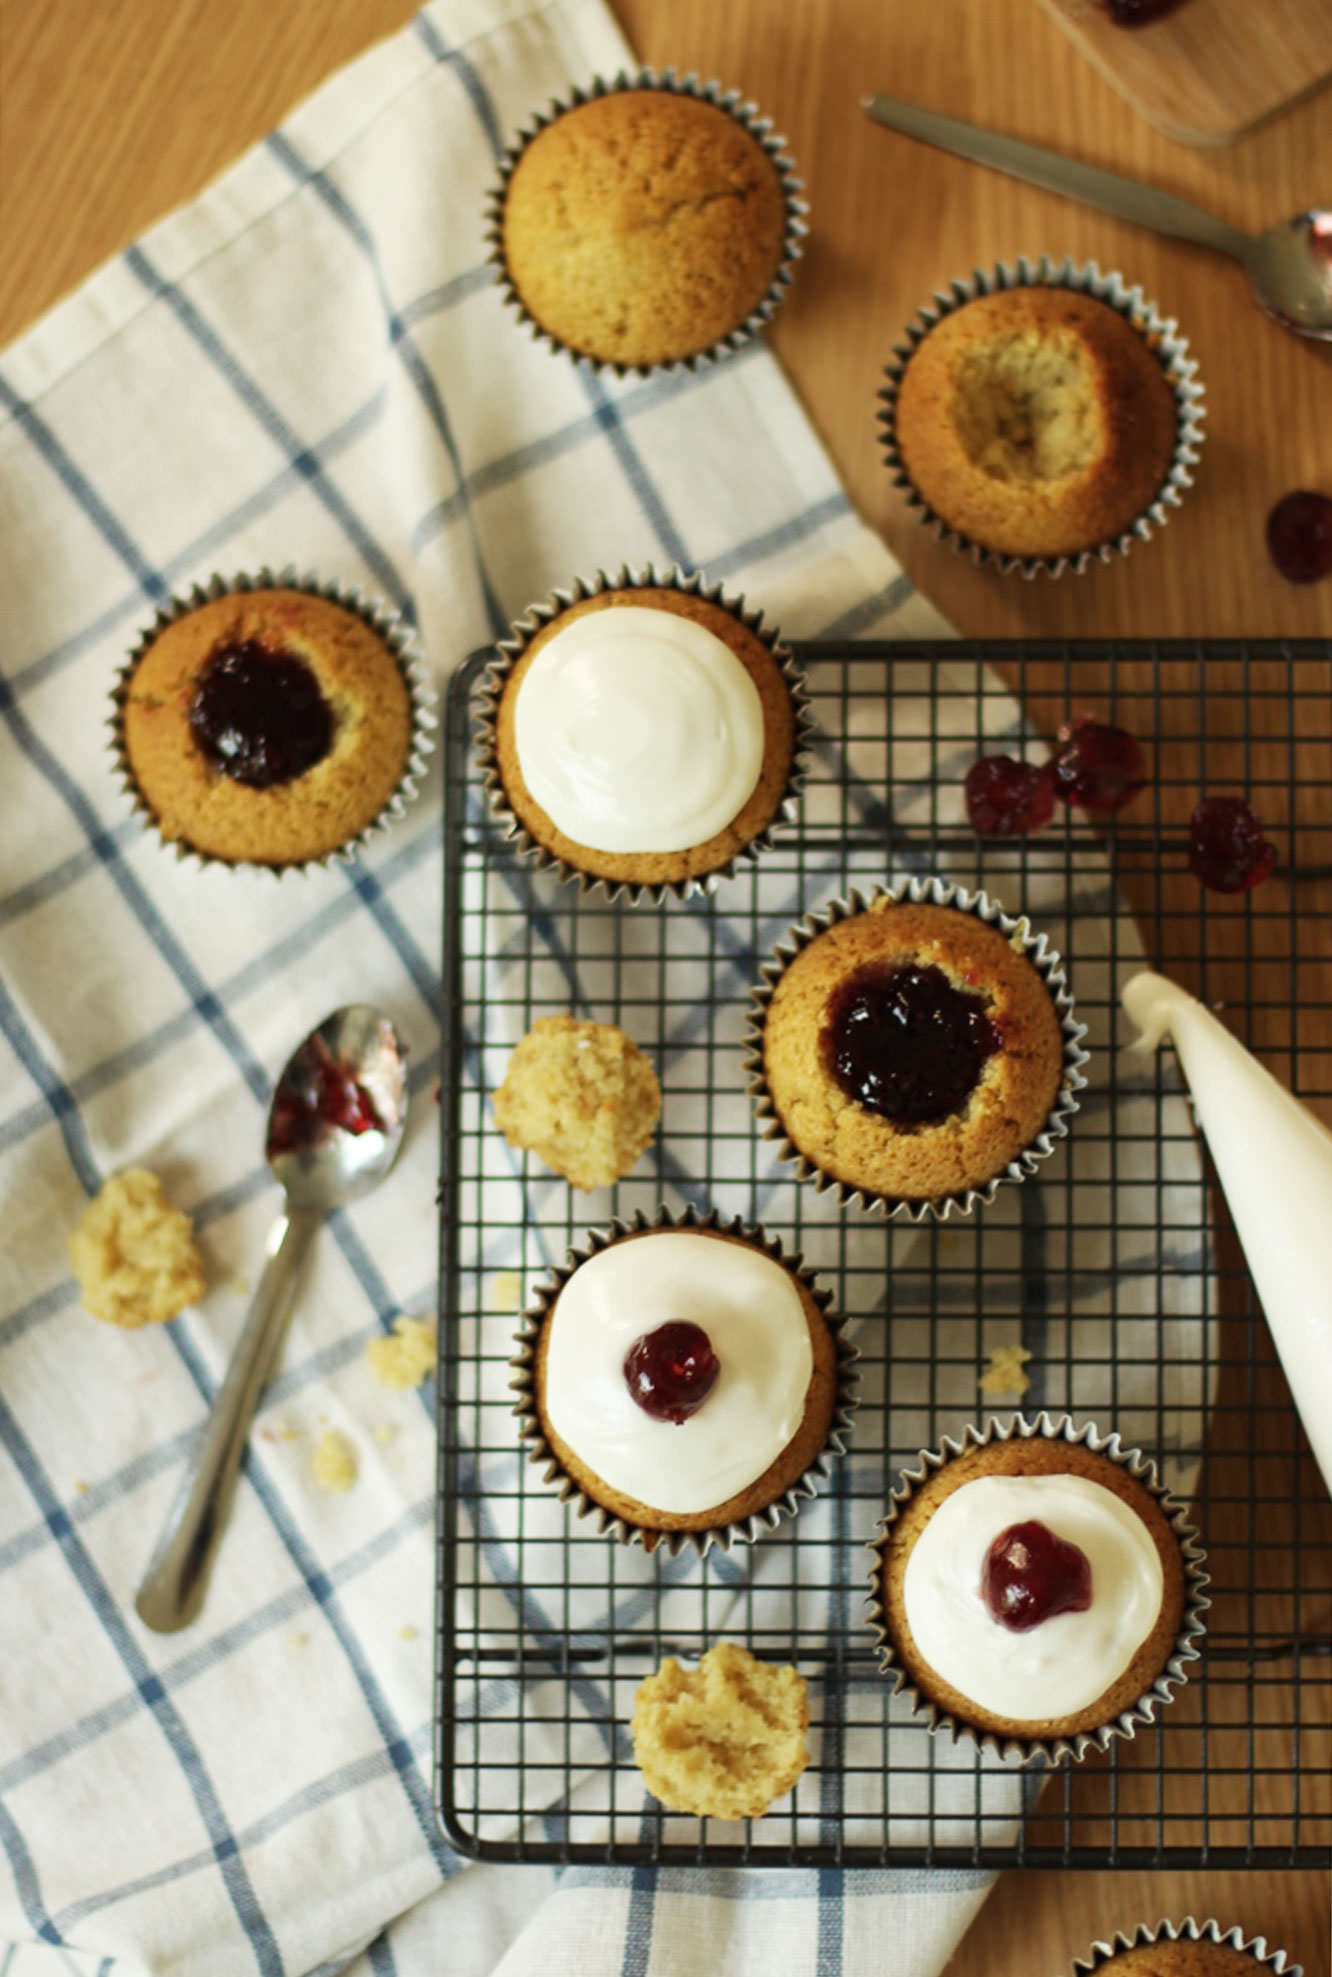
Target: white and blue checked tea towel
312	365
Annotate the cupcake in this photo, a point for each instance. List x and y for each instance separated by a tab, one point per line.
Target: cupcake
916	1050
273	721
643	733
647	222
1184	1949
1041	422
1035	1588
682	1380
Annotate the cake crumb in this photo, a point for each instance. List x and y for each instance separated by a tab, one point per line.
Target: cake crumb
405	1357
334	1463
582	1097
384	1432
299	1641
506	1290
1004	1374
81	1489
134	1254
722	1740
407	1633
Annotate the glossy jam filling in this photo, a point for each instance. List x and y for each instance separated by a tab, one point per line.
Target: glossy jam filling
324	1095
670	1372
904	1043
1030	1574
259	716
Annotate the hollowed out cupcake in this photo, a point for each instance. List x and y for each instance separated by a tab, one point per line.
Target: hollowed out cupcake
1041	419
1035	1588
682	1381
914	1050
274	721
642	733
648	222
1184	1949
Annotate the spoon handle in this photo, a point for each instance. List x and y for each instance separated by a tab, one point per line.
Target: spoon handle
1127	198
177	1577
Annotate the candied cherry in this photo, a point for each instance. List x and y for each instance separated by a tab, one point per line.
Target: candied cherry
1030	1574
1007	798
670	1372
1097	766
258	715
1227	849
903	1042
1299	536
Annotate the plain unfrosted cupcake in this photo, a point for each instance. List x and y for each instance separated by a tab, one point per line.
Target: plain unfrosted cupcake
272	721
1184	1949
1036	1588
647	222
1042	418
643	732
682	1380
914	1049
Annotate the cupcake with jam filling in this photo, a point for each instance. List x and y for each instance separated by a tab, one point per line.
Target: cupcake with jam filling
272	721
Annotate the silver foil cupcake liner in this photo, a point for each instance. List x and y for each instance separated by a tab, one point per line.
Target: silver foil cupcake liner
1161	332
746	1530
1185	1931
389	625
1018	930
509	651
759	128
1173	1675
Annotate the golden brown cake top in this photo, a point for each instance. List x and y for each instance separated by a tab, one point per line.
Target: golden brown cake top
1183	1959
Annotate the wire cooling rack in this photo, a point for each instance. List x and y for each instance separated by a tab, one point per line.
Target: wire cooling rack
1115	1268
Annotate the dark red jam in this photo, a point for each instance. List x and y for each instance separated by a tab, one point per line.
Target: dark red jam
1137	13
671	1372
1029	1575
1299	536
1098	766
1007	798
903	1042
259	715
1227	849
322	1095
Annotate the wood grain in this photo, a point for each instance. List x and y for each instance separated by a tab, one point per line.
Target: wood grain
116	110
1211	69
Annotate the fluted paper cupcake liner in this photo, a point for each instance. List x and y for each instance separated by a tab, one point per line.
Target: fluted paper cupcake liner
509	651
1018	930
387	624
1185	1931
1174	1673
1161	332
745	1530
759	128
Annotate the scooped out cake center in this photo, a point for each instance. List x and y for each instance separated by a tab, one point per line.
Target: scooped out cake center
1026	407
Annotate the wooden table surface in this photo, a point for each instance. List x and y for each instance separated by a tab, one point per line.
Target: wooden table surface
116	110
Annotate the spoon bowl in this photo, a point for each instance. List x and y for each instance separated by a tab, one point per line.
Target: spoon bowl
334	1128
1290	269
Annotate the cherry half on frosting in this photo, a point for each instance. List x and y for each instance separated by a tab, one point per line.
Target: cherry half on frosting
259	715
670	1372
903	1042
1097	766
1007	798
1227	849
1030	1574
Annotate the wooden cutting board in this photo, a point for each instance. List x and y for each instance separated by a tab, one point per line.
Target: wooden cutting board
1209	69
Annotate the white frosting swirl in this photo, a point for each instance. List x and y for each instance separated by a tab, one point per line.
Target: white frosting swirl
752	1312
638	730
1066	1662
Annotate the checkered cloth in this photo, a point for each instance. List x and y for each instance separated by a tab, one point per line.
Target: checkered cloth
311	365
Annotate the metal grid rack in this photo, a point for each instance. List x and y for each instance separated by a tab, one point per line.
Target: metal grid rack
1115	1266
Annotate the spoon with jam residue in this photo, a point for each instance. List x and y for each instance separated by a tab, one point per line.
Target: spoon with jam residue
334	1128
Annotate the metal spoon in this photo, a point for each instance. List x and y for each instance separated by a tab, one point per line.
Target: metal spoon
1289	265
334	1128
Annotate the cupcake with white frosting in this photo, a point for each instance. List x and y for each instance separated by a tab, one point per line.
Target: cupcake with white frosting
642	733
1036	1588
682	1380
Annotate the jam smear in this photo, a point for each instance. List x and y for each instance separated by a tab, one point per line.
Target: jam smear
1137	13
670	1372
1227	849
903	1042
1299	536
1007	798
1097	766
323	1094
258	714
1030	1574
